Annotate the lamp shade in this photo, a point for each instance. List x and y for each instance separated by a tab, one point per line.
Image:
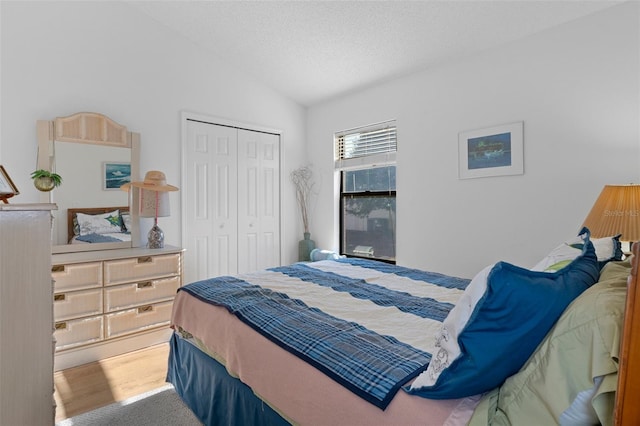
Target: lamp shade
616	211
154	203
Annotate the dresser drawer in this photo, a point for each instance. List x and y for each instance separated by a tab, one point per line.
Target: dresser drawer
138	319
141	268
76	276
72	333
140	293
76	304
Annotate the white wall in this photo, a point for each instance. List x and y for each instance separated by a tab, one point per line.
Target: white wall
576	87
59	58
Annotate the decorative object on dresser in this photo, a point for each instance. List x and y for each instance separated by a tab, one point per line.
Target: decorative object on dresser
7	188
302	179
154	202
26	363
112	301
45	180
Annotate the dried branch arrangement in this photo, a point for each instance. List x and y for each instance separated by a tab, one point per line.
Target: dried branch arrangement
302	178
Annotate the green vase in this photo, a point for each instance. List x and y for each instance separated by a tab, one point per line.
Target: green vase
305	247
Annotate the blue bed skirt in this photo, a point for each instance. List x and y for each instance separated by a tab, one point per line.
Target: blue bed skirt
213	395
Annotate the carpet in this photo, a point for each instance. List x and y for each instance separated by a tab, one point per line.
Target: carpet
160	406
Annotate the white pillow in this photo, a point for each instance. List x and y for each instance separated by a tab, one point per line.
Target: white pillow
559	257
104	223
607	248
581	411
447	339
126	221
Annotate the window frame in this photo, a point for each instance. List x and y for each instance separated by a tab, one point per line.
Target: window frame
360	194
383	155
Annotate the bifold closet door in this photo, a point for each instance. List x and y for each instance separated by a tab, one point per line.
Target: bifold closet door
258	200
211	204
232	200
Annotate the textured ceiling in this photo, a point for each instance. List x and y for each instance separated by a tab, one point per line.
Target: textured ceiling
312	51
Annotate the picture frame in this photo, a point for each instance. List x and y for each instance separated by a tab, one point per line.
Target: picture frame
115	174
491	151
8	189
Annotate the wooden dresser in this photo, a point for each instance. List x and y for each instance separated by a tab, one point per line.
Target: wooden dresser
110	302
26	360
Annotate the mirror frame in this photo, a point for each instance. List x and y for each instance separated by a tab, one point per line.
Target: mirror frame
96	129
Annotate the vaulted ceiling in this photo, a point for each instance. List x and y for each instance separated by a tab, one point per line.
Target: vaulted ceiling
312	51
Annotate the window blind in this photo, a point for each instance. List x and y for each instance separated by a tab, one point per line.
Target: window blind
370	145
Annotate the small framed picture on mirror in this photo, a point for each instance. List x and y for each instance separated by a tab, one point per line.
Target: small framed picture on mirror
7	188
115	174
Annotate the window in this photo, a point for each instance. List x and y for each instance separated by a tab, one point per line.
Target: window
365	158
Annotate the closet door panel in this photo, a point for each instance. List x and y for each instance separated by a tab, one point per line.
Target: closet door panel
248	200
210	239
270	201
258	200
225	223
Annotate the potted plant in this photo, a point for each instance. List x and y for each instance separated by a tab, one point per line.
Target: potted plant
45	180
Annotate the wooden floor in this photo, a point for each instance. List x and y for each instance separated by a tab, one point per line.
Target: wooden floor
101	383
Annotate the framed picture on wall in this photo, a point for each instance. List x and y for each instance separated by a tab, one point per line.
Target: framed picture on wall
115	174
492	151
7	188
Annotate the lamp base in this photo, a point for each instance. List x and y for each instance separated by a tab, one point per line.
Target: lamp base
155	239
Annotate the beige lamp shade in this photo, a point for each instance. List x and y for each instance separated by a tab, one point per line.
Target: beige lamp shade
154	194
616	211
154	203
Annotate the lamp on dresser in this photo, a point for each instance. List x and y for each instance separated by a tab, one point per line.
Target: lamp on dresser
154	202
616	211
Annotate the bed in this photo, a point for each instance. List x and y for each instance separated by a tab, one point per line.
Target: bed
98	225
355	341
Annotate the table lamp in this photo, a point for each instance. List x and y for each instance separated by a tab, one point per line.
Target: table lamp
616	211
154	202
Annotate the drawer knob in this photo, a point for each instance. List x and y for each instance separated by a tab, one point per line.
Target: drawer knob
145	284
61	325
57	268
144	259
59	297
143	309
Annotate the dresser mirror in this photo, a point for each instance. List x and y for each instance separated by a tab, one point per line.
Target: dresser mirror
94	155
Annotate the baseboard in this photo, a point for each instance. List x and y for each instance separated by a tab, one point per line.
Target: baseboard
97	351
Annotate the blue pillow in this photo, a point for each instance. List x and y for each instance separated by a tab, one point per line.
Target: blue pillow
514	311
317	254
